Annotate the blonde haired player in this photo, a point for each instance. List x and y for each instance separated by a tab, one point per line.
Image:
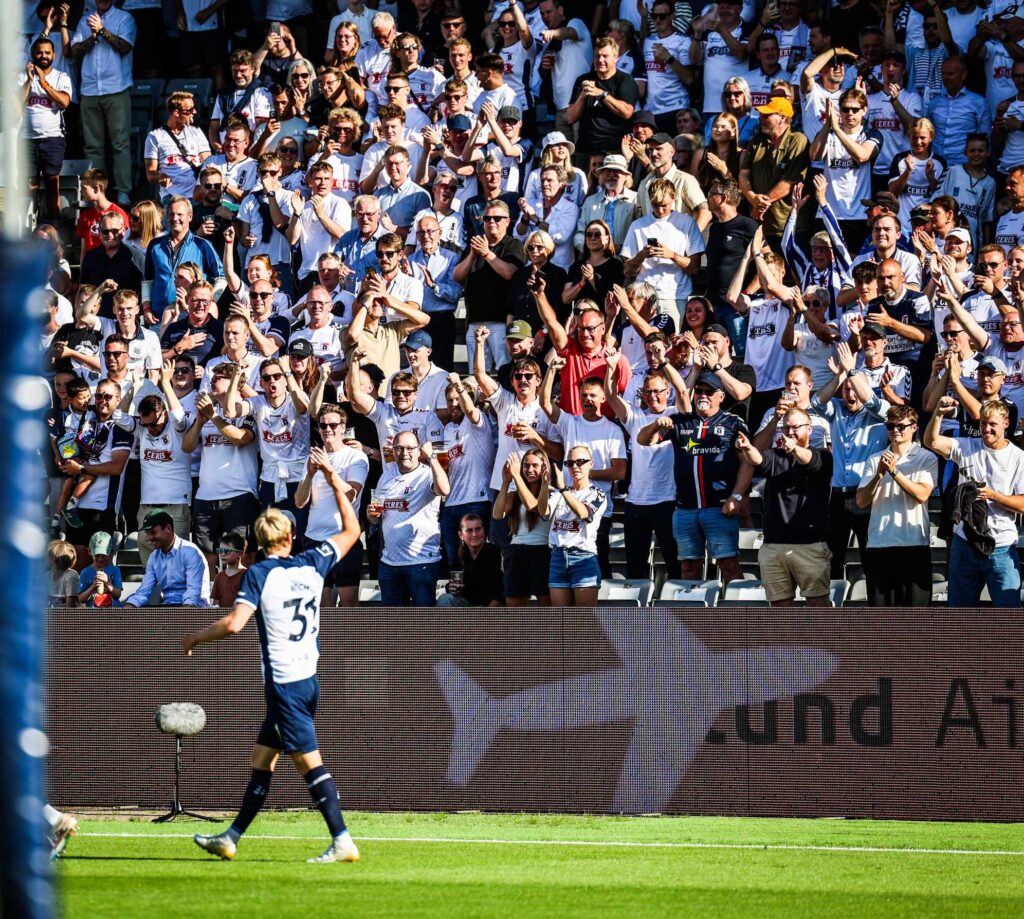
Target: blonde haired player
284	592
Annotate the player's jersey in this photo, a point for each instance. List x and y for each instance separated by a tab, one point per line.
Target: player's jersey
285	593
705	461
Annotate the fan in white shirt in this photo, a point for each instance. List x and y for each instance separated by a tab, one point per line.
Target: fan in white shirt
317	225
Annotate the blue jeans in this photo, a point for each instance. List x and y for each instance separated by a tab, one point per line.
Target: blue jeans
450	517
408	585
573	568
969	571
705	529
736	324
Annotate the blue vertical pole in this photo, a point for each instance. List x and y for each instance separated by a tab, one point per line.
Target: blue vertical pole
25	874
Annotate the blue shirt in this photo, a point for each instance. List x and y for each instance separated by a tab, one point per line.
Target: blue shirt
88	575
358	254
445	294
182	575
161	263
856	437
403	203
954	118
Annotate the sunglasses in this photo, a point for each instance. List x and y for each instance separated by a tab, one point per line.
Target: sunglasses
494	218
506	24
704	391
156	422
387	253
661	15
104	396
849	109
991	264
591	328
395	89
112	232
576	463
304	76
186	111
261	294
404	393
523	376
536	247
226	550
213	185
408	48
950	334
898	426
268	377
793	427
113	353
329	425
594	234
182	371
268	172
654	392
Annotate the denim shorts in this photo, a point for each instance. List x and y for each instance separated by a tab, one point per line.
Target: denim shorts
572	568
693	529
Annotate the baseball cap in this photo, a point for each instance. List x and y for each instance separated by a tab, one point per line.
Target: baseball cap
104	543
959	233
875	329
921	212
821	239
646	118
157	517
884	199
510	113
656	139
893	55
300	347
556	137
777	105
992	364
717	329
519	329
615	162
709	379
459	123
418	339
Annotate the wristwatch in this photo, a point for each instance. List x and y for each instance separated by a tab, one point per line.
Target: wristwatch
736	496
716	368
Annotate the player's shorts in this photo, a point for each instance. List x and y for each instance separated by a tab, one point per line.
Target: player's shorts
288	724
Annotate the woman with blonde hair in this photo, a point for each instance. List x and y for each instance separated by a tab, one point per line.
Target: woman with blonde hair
557	150
720	159
302	86
539	247
738	102
529	556
146	223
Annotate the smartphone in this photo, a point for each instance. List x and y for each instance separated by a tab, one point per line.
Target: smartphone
652	241
275	26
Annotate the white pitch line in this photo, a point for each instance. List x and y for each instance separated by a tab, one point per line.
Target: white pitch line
605	844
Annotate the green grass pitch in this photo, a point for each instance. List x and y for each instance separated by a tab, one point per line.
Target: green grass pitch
457	865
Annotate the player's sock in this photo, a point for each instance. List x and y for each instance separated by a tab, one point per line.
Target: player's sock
324	793
51	815
255	794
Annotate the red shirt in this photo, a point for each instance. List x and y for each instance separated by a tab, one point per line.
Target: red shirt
88	227
578	367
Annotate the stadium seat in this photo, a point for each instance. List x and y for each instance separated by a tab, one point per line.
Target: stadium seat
690	593
70	184
858	591
743	593
639	591
202	90
147	96
369	592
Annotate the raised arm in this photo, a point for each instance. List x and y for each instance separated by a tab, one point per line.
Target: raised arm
441	486
933	439
556	331
488	386
550	409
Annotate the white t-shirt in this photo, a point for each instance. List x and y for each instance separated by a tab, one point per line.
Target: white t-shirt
821	431
326	342
324	516
363	22
653	477
410	522
510	411
896	518
346	174
1013	382
276	247
471	450
283	436
160	146
917	190
226	471
813	353
166	467
766	321
144	351
430	392
413	144
258	108
882	118
1010	230
976	197
519	62
679	233
665	91
390	424
314	240
720	66
241	173
604	437
43	117
848	181
1002	471
573	60
567	530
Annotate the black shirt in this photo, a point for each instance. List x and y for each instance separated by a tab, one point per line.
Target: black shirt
481	577
473	212
97	266
486	291
600	129
203	353
199	214
82	340
745	374
606	276
727	241
796	497
520	302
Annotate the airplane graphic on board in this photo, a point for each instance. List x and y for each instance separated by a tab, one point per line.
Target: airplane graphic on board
670	685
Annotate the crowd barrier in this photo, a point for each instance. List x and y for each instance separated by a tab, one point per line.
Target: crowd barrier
770	712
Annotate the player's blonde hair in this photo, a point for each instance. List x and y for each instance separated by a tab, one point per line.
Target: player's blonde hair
273	529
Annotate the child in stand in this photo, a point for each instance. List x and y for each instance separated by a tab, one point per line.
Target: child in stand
61	579
100	584
229	578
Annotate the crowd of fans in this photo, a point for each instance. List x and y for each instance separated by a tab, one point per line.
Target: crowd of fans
700	251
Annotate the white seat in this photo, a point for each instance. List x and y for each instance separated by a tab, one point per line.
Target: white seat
694	593
639	590
858	591
369	592
750	538
744	593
